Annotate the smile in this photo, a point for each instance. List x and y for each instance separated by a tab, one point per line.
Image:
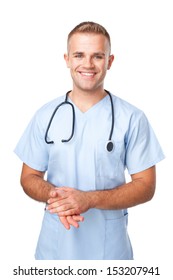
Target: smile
87	74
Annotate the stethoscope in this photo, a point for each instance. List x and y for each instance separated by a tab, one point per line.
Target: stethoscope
109	145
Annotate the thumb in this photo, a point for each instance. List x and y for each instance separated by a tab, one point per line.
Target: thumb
53	194
57	193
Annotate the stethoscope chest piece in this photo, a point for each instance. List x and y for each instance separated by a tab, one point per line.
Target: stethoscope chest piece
109	146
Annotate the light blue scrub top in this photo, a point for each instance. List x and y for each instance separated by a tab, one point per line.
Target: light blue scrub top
85	164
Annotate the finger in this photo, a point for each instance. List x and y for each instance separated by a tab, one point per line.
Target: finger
52	200
58	206
61	200
72	221
53	194
65	222
56	196
62	211
78	218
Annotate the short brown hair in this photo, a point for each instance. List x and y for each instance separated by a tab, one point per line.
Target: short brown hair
90	27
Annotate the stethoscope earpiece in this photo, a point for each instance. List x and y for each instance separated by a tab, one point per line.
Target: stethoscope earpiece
109	146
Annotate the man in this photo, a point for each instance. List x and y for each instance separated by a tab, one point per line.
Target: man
84	141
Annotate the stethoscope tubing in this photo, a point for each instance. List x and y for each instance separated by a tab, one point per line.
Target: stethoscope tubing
109	145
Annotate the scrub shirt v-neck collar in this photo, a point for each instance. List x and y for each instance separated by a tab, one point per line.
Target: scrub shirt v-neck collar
92	109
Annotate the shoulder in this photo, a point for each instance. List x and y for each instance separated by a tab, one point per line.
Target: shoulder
125	109
51	105
46	110
128	117
123	105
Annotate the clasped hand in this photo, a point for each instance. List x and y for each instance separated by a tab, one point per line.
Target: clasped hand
68	203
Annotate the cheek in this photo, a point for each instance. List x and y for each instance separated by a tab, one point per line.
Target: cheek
73	65
105	67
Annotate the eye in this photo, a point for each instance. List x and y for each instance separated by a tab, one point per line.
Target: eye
78	55
97	56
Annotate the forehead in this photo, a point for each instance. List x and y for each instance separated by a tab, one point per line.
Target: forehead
88	41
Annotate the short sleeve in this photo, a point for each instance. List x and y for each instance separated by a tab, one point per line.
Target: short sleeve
31	148
142	147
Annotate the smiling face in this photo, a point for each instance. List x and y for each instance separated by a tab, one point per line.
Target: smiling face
88	59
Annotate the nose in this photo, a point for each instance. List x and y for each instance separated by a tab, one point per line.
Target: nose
88	62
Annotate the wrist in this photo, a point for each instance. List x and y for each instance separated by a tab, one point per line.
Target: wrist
92	199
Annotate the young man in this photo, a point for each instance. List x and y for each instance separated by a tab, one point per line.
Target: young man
84	141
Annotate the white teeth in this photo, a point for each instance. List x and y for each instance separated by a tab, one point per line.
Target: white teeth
87	74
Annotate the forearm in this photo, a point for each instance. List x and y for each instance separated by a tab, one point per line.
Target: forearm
125	196
141	189
36	187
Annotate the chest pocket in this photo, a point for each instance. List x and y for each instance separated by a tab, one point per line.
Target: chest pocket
109	165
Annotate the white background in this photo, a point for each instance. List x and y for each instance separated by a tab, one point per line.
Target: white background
32	71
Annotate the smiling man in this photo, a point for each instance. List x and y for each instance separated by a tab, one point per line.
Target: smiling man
84	141
88	59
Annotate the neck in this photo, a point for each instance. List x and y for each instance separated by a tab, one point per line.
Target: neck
84	100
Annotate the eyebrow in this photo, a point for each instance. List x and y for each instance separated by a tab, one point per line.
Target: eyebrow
95	53
77	53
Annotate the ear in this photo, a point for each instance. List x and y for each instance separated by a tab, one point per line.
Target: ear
66	59
111	59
